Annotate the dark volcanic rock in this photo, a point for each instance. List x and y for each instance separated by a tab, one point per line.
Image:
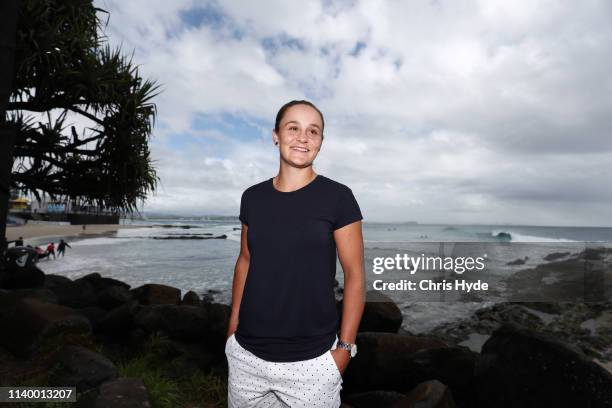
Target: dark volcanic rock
82	368
380	314
373	399
208	322
191	299
113	296
29	325
453	366
385	361
432	394
94	314
119	321
100	283
556	255
518	261
155	294
42	294
21	278
521	368
77	294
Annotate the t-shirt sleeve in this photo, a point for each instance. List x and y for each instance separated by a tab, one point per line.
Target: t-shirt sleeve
348	210
243	209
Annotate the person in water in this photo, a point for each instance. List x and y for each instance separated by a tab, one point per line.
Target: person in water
283	346
51	250
61	247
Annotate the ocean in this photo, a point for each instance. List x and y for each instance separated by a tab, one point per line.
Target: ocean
145	255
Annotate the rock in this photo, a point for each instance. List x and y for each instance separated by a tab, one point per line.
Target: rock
42	294
119	393
94	314
430	394
52	281
191	299
81	368
100	283
454	367
556	255
380	314
155	294
113	296
373	399
21	278
384	362
594	254
29	325
208	322
522	368
76	294
119	321
518	261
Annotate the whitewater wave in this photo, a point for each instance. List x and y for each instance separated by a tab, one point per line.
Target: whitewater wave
510	236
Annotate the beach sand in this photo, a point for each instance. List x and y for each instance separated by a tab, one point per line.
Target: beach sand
51	230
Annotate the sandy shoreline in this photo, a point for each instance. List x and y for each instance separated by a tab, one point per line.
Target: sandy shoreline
36	230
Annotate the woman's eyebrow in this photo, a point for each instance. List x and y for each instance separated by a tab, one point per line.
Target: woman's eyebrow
297	123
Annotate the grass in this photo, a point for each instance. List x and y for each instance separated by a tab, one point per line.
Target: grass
194	388
197	389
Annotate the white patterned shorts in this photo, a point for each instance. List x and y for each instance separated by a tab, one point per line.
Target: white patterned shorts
254	382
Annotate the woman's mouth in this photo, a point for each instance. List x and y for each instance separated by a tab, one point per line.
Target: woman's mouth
300	149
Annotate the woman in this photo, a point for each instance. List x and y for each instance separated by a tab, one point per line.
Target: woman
283	345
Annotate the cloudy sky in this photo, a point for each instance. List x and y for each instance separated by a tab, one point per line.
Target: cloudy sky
436	111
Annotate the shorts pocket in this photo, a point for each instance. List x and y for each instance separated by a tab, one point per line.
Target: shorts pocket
333	363
228	341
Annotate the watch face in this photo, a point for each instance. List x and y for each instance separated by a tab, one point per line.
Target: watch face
353	350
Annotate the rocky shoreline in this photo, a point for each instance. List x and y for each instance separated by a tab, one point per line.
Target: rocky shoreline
85	332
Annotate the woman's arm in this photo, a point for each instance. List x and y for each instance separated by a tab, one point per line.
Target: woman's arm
349	242
240	273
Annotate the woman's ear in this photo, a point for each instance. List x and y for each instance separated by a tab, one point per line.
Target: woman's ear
274	137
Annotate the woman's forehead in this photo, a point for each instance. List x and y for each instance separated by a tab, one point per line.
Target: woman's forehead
302	114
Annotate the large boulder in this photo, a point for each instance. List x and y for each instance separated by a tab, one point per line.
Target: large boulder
191	299
112	297
42	294
119	393
156	294
120	321
77	294
428	394
183	322
521	368
380	313
29	325
20	278
94	314
372	399
81	368
453	366
100	283
384	361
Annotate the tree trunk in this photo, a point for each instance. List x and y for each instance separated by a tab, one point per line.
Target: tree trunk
9	11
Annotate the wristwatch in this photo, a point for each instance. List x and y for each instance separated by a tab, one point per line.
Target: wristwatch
352	348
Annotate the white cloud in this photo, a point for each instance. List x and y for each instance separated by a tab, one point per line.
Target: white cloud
475	111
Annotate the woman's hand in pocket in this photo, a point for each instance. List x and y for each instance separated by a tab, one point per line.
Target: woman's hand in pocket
342	358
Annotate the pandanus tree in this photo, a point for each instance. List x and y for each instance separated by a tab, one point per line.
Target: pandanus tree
81	114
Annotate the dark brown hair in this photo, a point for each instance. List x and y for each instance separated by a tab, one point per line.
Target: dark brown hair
283	109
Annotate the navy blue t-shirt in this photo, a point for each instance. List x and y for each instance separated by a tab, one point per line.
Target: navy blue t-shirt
288	309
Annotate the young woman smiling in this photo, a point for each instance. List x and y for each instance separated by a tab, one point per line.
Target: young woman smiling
283	346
